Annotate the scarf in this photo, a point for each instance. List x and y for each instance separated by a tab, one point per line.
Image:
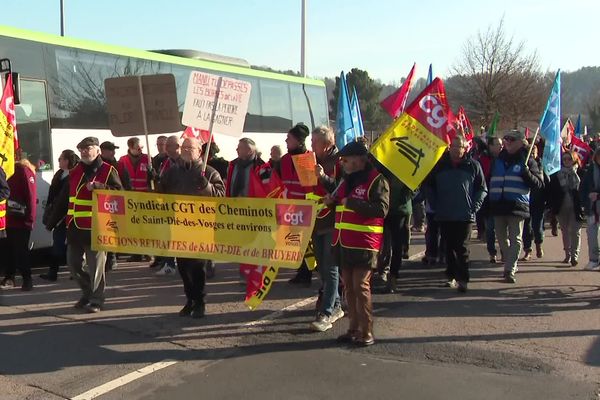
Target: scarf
568	179
241	174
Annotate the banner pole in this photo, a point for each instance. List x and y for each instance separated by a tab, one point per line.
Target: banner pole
532	144
210	127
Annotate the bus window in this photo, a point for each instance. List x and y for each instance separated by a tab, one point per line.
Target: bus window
33	129
300	105
276	107
318	105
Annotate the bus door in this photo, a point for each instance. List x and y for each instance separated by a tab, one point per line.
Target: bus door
33	131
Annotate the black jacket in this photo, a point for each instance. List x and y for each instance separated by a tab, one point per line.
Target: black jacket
187	178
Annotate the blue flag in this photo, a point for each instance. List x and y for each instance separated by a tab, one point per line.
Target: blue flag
344	131
429	75
356	116
550	129
578	126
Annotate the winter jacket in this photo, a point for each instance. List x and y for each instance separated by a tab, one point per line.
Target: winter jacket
23	191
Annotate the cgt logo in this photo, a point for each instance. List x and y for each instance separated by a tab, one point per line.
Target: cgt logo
110	204
288	214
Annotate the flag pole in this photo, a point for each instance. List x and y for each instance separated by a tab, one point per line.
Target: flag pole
532	144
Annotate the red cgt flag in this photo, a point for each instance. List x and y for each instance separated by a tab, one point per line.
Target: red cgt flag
9	143
395	103
200	134
581	148
464	125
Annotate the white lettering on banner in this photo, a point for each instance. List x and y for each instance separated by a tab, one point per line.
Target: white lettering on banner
294	218
111	206
436	116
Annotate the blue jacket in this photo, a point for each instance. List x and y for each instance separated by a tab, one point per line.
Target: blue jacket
456	192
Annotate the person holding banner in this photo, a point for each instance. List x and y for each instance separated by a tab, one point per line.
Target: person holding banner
172	147
361	204
295	141
89	174
329	308
190	177
457	187
513	176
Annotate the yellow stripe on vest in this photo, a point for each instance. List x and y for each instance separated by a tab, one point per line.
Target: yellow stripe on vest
359	228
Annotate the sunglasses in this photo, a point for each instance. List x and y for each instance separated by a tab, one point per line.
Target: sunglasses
509	139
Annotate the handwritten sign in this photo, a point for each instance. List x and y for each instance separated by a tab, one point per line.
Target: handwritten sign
305	168
232	104
124	102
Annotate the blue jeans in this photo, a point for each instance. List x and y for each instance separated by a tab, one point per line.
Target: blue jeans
329	272
490	235
534	228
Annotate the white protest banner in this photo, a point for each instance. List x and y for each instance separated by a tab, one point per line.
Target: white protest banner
231	108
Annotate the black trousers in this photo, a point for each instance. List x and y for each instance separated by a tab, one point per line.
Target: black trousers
193	275
394	243
456	235
15	252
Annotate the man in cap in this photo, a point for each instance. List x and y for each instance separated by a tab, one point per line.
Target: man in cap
361	204
188	178
295	142
89	174
512	178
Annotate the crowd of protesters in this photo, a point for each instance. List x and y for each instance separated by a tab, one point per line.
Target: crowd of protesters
361	235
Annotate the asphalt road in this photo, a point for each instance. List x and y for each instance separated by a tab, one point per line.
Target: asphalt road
536	339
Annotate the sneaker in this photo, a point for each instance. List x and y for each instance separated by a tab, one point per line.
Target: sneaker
93	308
364	342
322	323
510	278
567	259
526	256
8	283
337	314
539	252
574	262
462	287
81	303
198	310
592	266
452	284
165	270
493	259
156	263
187	309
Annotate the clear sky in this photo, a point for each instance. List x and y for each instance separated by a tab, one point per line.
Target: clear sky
383	37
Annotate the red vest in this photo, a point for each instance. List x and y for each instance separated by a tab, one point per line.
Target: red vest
352	230
2	215
138	176
290	179
80	199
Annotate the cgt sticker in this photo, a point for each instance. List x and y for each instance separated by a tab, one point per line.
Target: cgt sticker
293	215
111	204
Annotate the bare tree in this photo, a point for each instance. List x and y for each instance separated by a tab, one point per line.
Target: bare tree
496	74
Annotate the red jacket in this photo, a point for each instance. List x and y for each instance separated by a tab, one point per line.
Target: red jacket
23	190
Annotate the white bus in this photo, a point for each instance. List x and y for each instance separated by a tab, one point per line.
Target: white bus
62	98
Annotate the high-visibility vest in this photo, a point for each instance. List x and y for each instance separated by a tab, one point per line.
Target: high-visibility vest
139	175
507	183
290	179
353	230
80	198
2	215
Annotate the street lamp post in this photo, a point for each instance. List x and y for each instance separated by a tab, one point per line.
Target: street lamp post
62	18
303	41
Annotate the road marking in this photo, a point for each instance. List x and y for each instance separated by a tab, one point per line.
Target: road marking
124	380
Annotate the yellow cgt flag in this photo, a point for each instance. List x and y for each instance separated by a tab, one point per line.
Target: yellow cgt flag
414	143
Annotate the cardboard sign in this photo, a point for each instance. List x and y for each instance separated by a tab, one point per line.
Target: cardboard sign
232	103
305	168
124	103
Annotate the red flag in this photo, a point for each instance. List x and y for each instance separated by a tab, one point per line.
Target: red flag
9	143
527	133
581	148
464	124
394	104
200	134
